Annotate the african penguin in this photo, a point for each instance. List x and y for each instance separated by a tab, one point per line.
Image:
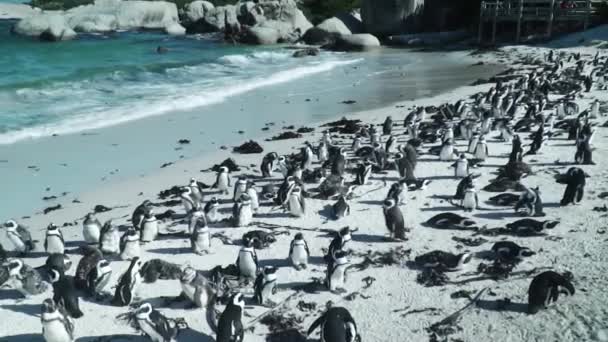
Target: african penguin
364	171
299	252
129	245
53	242
139	213
98	278
128	284
212	210
510	251
341	208
196	193
230	326
267	166
187	201
241	211
222	180
296	203
154	325
575	180
109	240
398	192
530	227
252	192
64	293
200	240
338	243
149	227
470	201
337	325
20	237
450	221
443	261
545	288
461	167
393	218
24	278
86	264
56	324
322	153
196	288
265	285
91	228
247	261
240	187
336	272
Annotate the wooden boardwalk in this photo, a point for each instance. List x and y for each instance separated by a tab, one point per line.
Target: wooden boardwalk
520	11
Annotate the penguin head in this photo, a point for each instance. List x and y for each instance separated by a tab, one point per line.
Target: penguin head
270	273
463	259
146	203
550	224
10	225
144	310
14	266
389	203
223	169
341	258
298	236
54	275
462	156
237	300
51	227
296	190
188	274
526	252
48	306
244	199
149	213
103	267
186	191
345	234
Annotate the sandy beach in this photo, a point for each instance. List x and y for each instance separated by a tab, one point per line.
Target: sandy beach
386	300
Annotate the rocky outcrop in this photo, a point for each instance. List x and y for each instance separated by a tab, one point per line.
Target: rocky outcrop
387	17
330	29
17	11
355	42
104	16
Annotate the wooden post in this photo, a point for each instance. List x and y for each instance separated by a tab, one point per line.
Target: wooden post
494	23
480	28
550	21
519	19
587	14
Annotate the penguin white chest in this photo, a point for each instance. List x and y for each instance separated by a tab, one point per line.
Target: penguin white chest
149	231
473	144
54	331
202	243
481	151
187	203
336	279
245	216
131	250
188	290
90	233
469	201
103	282
54	244
447	152
267	291
299	256
222	182
322	155
149	330
110	242
247	265
253	195
17	242
213	215
462	170
295	208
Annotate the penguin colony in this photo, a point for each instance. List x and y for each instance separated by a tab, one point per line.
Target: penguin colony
537	106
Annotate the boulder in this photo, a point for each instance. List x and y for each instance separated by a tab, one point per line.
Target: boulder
175	29
197	10
305	53
317	36
352	20
17	11
250	14
283	16
215	20
386	17
260	35
47	27
355	42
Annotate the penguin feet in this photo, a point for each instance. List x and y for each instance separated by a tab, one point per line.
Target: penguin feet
339	291
303	266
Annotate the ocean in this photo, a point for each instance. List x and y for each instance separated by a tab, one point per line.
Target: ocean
79	113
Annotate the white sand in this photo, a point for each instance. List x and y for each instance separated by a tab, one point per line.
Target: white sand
580	248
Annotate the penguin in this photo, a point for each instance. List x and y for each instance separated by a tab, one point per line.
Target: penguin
212	210
337	325
252	192
187	201
398	192
90	259
230	325
473	142
60	262
267	166
56	324
299	252
530	227
505	199
240	187
450	221
341	208
509	251
470	201
393	218
91	228
481	149
98	278
531	202
20	237
443	261
356	144
338	164
584	153
461	167
265	286
109	240
247	261
326	138
64	293
129	245
196	288
282	166
413	129
338	243
296	171
196	193
139	213
23	278
545	288
447	151
594	111
154	325
336	272
387	126
322	153
307	156
222	180
296	203
128	284
390	142
575	189
200	240
285	190
241	211
53	242
374	136
149	227
364	171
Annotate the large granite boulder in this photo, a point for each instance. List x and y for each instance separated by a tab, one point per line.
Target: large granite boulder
215	20
387	17
354	42
258	35
352	20
46	27
196	11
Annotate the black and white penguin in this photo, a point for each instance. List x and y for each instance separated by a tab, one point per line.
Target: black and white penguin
530	202
56	324
443	261
450	221
64	293
188	201
200	240
307	155
196	288
337	325
530	227
98	278
473	142
575	180
241	211
129	245
53	242
509	251
149	227
265	285
88	262
20	237
60	262
283	166
341	208
398	192
336	272
109	240
338	243
196	192
154	325
240	187
393	218
285	189
545	288
23	278
128	284
357	143
322	152
387	126
584	152
390	143
247	261
212	210
461	167
506	199
230	326
447	151
364	171
338	164
470	201
481	149
91	228
299	252
139	213
267	166
296	205
222	180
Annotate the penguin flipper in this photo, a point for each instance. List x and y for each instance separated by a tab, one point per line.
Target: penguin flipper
316	324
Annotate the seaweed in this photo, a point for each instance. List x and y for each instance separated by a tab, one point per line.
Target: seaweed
101	209
285	136
431	277
470	242
53	208
228	163
249	147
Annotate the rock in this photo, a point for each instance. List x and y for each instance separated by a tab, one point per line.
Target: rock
229	163
48	27
286	135
250	14
354	42
386	17
17	11
352	20
196	11
306	52
260	36
282	16
317	36
175	30
214	20
334	25
249	147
